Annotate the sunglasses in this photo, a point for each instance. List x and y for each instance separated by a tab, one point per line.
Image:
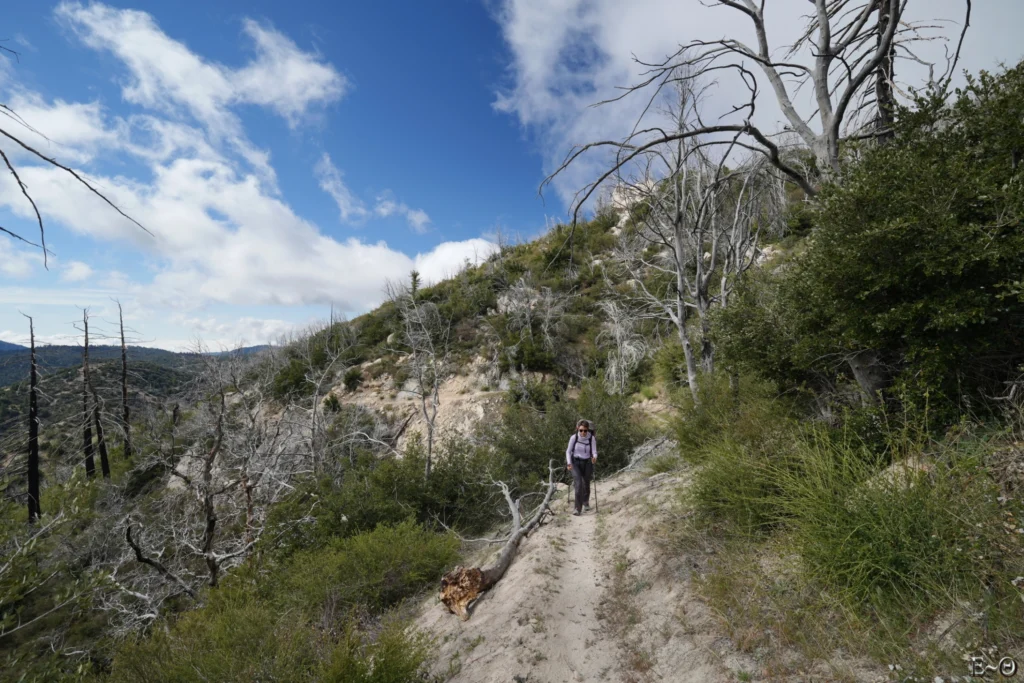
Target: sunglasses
583	429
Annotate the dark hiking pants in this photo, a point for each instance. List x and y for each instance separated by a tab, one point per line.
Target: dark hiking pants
582	473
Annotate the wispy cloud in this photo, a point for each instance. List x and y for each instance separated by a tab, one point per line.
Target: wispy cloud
76	271
351	209
386	205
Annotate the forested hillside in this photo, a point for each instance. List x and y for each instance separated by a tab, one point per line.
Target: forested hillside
841	362
14	363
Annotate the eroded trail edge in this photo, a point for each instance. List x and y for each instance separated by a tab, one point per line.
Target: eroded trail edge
584	601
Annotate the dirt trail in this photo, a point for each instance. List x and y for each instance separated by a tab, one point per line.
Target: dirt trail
583	601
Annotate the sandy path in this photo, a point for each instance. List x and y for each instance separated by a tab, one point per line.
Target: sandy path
539	624
550	619
546	620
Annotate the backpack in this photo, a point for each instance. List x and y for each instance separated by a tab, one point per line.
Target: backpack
575	437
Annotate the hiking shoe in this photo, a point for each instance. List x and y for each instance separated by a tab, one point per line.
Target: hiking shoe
576	513
586	508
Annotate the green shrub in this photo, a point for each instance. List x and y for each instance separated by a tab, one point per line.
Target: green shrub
235	637
738	440
238	637
375	570
394	656
353	378
920	533
373	490
755	417
530	438
663	463
917	250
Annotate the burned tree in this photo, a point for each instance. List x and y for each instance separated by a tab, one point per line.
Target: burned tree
126	424
87	448
696	229
101	442
463	585
845	56
34	507
425	334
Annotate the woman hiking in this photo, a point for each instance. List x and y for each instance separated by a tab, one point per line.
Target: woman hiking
580	457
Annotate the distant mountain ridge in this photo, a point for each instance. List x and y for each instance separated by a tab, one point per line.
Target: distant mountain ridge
14	359
14	363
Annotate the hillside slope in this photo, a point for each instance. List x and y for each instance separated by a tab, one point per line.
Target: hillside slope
590	598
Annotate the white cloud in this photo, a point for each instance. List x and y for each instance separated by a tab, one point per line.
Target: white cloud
222	238
220	233
285	78
386	205
350	207
167	76
15	262
448	258
76	271
217	335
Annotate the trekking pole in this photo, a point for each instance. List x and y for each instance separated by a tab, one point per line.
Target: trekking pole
595	488
568	492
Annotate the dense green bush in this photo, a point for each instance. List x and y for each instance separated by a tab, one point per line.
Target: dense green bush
376	569
303	619
917	249
353	378
916	255
530	438
235	637
371	490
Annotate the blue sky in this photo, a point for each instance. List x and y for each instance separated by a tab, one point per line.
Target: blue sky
288	156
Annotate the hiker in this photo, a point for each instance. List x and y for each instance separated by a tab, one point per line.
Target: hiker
580	457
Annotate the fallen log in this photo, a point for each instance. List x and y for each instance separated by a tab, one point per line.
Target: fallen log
463	585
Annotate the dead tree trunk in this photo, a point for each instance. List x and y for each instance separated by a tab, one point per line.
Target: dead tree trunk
208	496
125	411
101	443
869	373
34	508
463	585
884	96
90	463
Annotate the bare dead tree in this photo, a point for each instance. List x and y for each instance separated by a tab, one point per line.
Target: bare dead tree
34	507
101	442
87	447
235	453
126	424
628	347
462	585
322	350
699	229
843	45
426	335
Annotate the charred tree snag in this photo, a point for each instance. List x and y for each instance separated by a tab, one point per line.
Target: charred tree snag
34	508
90	463
101	443
463	585
126	425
